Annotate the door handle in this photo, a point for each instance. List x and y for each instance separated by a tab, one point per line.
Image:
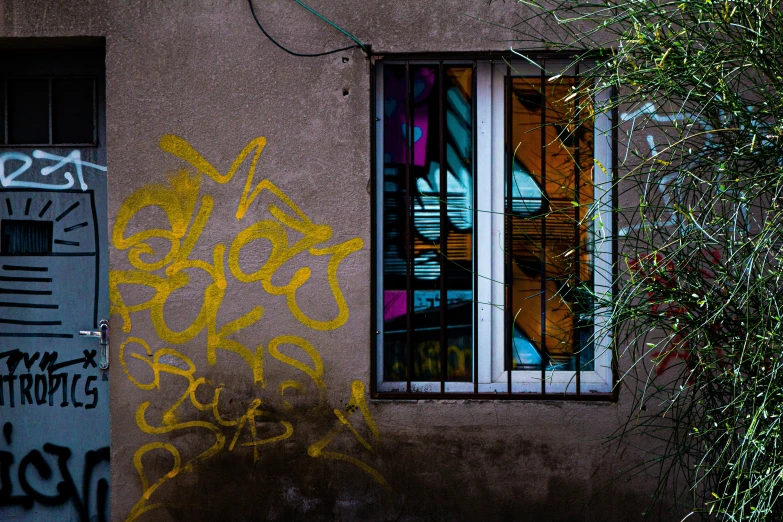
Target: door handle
103	335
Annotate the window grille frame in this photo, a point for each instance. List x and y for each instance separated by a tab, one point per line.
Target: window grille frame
492	75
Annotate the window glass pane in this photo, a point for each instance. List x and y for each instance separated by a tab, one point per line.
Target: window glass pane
395	299
73	111
440	132
28	111
459	209
527	205
550	251
426	194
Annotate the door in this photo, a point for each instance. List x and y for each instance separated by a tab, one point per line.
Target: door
54	385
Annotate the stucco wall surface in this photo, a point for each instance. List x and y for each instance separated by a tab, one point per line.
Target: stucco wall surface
240	261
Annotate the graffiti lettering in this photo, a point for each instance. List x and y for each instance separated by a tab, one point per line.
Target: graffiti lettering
178	200
162	264
241	431
170	361
356	403
67	492
60	162
42	388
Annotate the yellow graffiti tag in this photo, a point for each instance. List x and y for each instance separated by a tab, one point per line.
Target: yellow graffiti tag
275	233
179	201
164	271
182	149
315	373
357	402
141	506
170	361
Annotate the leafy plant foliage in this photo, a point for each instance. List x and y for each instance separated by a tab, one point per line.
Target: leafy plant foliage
699	304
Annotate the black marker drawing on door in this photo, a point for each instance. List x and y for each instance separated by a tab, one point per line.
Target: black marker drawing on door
44	235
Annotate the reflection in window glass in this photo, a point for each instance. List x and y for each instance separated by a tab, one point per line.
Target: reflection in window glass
550	248
428	222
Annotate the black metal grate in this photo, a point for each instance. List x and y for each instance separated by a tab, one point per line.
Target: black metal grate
410	221
25	237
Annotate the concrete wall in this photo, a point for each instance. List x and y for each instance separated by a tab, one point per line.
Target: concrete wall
223	396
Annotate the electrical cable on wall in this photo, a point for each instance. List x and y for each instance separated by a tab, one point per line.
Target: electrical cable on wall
359	44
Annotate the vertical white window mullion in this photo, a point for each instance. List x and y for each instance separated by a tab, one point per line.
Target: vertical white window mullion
484	219
497	244
602	252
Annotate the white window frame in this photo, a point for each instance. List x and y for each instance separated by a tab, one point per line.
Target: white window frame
488	255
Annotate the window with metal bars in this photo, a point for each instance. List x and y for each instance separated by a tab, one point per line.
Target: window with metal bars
493	227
